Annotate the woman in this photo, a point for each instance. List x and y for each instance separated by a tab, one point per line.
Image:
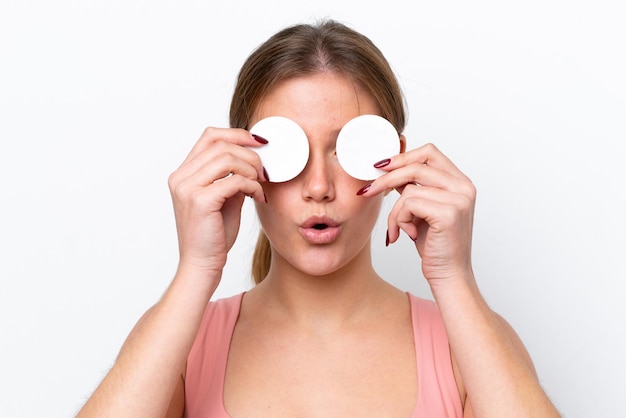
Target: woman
321	334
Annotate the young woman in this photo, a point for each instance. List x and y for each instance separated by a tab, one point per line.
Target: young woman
321	334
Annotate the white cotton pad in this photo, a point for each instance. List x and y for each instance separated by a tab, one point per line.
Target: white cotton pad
287	151
364	141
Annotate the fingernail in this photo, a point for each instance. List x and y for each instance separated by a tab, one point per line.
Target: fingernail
259	139
387	239
382	163
364	189
265	196
267	177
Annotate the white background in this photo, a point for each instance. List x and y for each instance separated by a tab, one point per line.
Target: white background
101	100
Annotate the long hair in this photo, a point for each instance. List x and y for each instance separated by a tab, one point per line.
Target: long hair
304	49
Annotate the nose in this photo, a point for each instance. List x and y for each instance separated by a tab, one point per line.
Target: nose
318	178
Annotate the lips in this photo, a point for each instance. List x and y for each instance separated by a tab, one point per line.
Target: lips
319	230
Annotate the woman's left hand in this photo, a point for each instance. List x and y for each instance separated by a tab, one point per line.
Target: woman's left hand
435	209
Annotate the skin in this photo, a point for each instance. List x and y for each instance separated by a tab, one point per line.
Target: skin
325	302
323	188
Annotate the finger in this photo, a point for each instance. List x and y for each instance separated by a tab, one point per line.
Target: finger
409	215
236	183
212	135
435	207
402	218
427	154
420	174
223	166
213	197
223	153
425	165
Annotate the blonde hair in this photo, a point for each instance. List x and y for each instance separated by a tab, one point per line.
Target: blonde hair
304	49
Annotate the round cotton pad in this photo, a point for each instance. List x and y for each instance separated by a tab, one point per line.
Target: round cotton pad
364	141
287	152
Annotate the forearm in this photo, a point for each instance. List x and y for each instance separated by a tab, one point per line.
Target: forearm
145	374
496	370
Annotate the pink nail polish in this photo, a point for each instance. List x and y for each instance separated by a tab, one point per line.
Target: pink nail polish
382	163
364	189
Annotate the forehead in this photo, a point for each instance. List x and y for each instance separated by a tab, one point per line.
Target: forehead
317	101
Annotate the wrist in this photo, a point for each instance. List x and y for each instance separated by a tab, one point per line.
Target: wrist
198	279
460	284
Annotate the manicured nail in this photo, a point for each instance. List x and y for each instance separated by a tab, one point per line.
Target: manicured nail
259	139
267	177
364	189
265	196
382	163
387	239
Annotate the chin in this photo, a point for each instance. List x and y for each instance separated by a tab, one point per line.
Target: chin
320	265
317	260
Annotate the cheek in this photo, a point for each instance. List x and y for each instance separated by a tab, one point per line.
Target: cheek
277	204
367	209
279	196
376	204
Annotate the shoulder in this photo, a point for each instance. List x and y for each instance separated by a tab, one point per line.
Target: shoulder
225	306
218	320
429	330
214	332
440	390
207	359
219	313
424	311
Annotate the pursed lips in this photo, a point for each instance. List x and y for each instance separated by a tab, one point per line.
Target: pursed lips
320	229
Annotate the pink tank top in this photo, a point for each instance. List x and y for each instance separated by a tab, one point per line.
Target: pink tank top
437	396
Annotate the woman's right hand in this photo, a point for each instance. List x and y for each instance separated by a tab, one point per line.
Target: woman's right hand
208	190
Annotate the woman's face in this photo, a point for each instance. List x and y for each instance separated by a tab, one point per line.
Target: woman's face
316	223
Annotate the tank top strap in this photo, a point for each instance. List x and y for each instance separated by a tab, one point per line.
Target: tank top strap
438	394
206	363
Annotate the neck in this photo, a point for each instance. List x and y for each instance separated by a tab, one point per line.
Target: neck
323	301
